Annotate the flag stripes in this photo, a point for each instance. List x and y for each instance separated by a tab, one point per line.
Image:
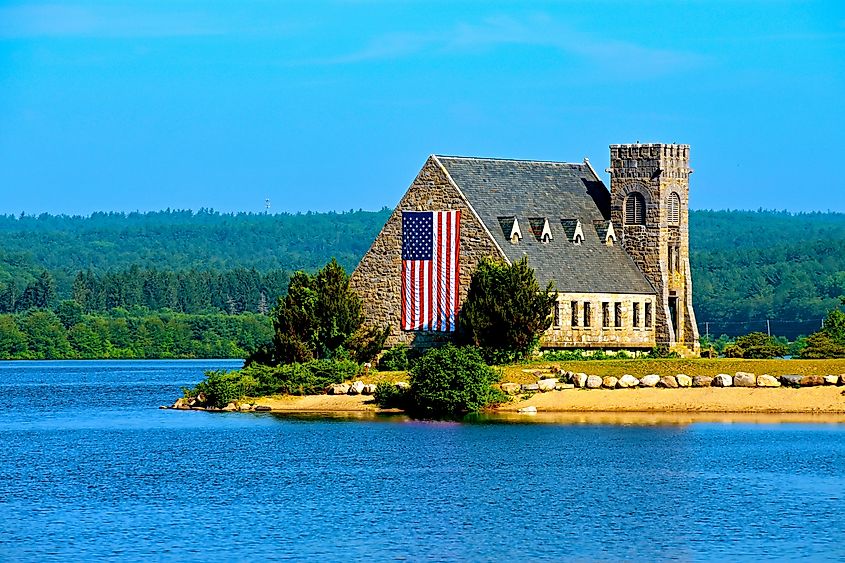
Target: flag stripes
430	269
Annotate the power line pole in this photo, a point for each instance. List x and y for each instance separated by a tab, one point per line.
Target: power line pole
768	327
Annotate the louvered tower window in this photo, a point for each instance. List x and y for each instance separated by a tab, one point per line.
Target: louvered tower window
635	209
674	209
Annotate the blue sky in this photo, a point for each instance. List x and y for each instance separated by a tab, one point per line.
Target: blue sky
145	105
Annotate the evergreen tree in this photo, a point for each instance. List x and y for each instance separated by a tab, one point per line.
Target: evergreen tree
505	311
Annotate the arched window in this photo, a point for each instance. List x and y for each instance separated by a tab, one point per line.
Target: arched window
635	209
674	209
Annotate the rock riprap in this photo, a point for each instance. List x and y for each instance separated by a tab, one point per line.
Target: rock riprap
593	382
745	379
683	380
649	380
723	380
668	382
609	382
547	384
627	381
702	381
767	380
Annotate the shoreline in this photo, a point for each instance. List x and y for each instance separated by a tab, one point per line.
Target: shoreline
707	402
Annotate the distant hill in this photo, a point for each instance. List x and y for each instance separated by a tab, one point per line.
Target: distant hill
748	266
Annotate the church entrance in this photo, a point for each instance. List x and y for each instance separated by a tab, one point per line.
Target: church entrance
673	317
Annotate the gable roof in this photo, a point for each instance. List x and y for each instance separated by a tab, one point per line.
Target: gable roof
500	190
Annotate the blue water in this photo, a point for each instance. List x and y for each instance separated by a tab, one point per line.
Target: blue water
90	469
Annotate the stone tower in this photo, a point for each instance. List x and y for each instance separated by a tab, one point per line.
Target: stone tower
649	187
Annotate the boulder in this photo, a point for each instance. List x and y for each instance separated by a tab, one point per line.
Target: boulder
369	389
702	381
593	382
547	384
230	407
402	385
723	380
567	376
609	382
511	388
338	389
356	388
683	380
530	388
201	399
579	379
812	380
528	410
791	380
181	403
668	382
745	379
245	407
842	379
564	386
767	380
649	380
627	381
262	408
831	379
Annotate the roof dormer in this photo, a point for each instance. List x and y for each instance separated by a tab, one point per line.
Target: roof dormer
578	235
510	228
610	235
573	230
546	234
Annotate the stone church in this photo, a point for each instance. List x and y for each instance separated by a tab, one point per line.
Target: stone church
619	258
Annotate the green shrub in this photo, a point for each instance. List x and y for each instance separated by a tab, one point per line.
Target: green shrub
756	345
451	381
820	345
506	311
389	396
221	388
394	359
309	378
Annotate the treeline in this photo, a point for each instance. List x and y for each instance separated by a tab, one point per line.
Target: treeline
175	241
748	266
68	333
193	291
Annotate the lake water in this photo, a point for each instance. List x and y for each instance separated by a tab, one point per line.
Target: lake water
90	469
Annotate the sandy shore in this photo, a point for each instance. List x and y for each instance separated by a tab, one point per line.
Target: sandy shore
827	400
813	400
318	403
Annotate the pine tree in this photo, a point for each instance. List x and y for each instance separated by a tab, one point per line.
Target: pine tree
505	311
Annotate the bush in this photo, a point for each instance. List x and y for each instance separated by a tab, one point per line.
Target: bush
221	388
505	311
319	316
820	345
451	381
394	359
389	396
756	345
829	342
309	378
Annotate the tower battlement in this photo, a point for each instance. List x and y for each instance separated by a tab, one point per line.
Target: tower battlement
649	160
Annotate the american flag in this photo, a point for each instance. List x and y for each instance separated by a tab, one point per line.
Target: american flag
430	269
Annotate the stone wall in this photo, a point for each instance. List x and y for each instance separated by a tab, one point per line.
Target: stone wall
657	171
378	277
565	334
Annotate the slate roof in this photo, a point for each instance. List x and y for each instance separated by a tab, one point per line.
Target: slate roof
564	193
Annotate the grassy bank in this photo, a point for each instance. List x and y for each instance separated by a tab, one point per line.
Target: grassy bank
522	373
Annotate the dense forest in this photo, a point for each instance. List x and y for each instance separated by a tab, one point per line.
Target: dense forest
752	270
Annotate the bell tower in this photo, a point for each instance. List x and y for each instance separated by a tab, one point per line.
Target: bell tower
649	198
